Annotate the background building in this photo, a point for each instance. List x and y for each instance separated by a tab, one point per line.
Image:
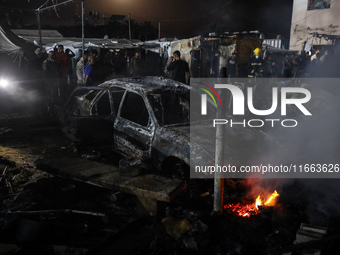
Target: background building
315	24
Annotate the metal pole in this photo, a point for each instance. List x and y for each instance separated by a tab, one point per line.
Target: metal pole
82	26
159	31
83	35
39	27
218	180
129	26
219	162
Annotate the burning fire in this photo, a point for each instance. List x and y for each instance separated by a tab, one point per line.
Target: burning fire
251	209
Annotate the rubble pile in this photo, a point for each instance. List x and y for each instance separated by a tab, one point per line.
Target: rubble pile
44	214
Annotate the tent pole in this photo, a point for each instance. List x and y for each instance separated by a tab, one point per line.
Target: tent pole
83	36
39	27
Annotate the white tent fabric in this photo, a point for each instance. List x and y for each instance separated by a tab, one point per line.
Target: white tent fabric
68	44
9	48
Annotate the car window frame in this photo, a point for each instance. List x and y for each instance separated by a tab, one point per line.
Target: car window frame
113	110
152	121
98	97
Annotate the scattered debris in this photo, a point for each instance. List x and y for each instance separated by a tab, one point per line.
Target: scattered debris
308	233
129	167
190	244
176	227
50	214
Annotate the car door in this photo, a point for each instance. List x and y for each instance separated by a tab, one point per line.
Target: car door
88	116
134	127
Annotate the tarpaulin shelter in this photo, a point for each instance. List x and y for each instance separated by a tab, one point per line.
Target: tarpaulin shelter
12	46
9	48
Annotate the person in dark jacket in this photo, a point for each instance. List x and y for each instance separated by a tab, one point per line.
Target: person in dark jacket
136	64
51	81
232	71
179	68
215	64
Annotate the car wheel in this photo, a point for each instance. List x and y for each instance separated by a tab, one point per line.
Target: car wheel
179	171
176	169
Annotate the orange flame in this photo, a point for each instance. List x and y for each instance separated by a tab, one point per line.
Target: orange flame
258	202
251	209
270	199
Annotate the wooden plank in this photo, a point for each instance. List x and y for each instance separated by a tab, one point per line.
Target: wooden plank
150	186
106	180
79	168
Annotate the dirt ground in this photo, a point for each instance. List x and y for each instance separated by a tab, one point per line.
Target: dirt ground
43	214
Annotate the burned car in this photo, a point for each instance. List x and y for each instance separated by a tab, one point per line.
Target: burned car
145	118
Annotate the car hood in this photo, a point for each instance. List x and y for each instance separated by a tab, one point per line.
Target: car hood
242	145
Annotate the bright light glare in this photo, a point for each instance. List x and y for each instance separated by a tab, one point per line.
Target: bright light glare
3	83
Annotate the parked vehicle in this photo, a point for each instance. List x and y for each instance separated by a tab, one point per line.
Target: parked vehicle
145	118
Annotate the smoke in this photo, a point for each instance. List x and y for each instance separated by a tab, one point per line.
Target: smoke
21	97
322	197
315	138
313	148
262	187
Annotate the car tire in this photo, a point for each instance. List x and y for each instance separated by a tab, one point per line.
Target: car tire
176	169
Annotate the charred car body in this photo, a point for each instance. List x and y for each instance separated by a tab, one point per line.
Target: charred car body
145	118
148	118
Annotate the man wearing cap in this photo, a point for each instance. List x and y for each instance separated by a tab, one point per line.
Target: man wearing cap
255	65
179	68
232	65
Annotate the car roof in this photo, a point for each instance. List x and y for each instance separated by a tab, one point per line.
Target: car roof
147	84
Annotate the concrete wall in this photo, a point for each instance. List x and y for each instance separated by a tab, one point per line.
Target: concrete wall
321	21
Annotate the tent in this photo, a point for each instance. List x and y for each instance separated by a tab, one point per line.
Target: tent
12	46
9	48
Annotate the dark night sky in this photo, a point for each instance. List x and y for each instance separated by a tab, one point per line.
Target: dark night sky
181	18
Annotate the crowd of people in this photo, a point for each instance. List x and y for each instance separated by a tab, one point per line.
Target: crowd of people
63	70
262	64
319	64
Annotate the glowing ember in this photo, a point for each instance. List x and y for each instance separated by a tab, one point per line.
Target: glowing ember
251	209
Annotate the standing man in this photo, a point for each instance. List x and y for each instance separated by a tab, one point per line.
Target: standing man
314	56
90	72
232	66
80	69
63	66
215	64
179	68
74	62
51	81
136	64
324	57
